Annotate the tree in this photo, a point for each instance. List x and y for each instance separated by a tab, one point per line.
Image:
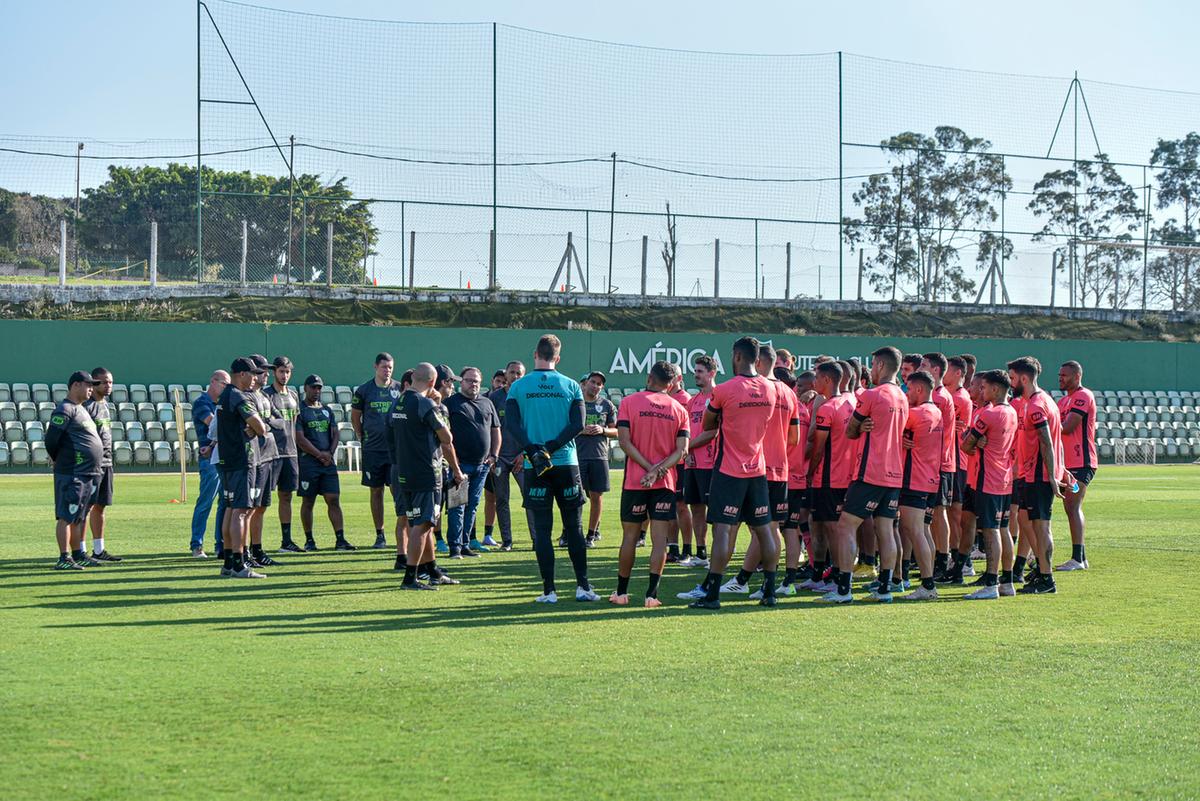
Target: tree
1092	203
937	198
670	250
1175	274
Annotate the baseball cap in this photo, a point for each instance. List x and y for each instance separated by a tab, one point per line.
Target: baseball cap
260	363
81	376
282	361
314	380
243	364
444	373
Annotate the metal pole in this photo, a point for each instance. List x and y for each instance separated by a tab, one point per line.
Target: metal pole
896	260
1003	233
841	178
412	260
62	253
329	255
153	253
492	261
291	195
1145	237
303	235
587	246
717	268
75	223
402	242
495	182
366	251
645	244
787	281
756	264
860	273
245	250
199	200
1053	277
1075	171
612	221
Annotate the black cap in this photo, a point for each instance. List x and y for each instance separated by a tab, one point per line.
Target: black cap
243	364
314	380
444	373
282	361
81	376
260	363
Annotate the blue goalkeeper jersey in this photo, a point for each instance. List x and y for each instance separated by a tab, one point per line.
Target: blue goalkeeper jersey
545	398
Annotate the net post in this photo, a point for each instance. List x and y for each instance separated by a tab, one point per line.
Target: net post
153	254
329	255
645	245
716	269
412	260
245	250
62	252
787	283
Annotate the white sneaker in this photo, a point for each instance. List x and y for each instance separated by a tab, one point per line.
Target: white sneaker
984	594
548	598
585	594
809	584
686	561
1071	564
732	586
786	589
696	593
978	554
968	569
882	597
922	594
826	587
247	573
199	553
756	595
1007	590
836	597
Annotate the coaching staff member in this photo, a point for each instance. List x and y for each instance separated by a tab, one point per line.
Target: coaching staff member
75	447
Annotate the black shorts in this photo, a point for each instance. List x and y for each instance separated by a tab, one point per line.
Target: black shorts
1084	475
968	501
777	491
639	504
945	491
264	484
696	482
73	497
237	487
317	479
560	484
593	475
991	511
1018	491
680	481
376	469
915	500
959	488
869	500
285	473
419	507
827	504
103	494
1037	500
797	507
734	500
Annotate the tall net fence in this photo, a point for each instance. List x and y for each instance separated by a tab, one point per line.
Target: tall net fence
365	152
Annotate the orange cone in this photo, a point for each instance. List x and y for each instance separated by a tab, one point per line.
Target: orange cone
468	285
274	279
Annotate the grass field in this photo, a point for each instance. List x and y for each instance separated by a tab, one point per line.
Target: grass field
156	679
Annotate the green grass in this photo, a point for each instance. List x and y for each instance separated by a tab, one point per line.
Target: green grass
156	679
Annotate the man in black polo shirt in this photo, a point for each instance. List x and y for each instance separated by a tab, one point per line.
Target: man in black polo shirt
100	410
317	439
475	427
419	439
238	426
266	461
75	447
285	406
591	447
369	409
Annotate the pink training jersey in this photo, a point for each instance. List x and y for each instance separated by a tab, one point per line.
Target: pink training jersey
1040	412
973	457
706	454
837	461
923	462
1080	444
962	423
681	397
881	459
654	421
797	464
1018	405
945	403
745	404
775	443
994	471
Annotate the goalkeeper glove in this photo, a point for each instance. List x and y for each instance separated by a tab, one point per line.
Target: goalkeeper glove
539	459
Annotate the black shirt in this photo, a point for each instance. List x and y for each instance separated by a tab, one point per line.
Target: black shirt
471	424
317	424
236	450
508	444
416	451
102	416
600	412
284	408
264	446
72	441
375	403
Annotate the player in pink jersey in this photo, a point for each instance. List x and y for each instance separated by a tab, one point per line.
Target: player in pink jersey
652	429
796	535
961	544
990	439
702	452
877	476
1041	466
970	531
1018	523
935	364
922	478
683	515
829	455
1078	410
741	408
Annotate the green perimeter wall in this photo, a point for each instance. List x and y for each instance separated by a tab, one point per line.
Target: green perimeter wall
186	353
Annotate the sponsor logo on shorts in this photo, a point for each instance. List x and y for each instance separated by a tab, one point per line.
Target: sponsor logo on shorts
663	506
761	511
639	508
732	511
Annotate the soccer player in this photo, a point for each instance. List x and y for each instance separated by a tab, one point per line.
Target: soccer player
369	409
698	464
317	440
508	463
1042	465
238	424
1078	411
829	455
971	362
962	541
911	363
75	446
935	364
544	413
653	432
204	410
796	533
475	429
591	446
992	436
98	407
741	409
285	406
922	477
878	475
419	439
267	454
683	513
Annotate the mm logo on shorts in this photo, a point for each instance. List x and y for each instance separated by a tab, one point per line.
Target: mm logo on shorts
639	508
760	511
663	506
732	511
537	492
872	505
571	491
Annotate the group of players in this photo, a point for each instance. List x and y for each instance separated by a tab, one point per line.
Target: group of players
917	464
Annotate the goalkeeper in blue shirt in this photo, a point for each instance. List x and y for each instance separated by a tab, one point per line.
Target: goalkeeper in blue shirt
544	413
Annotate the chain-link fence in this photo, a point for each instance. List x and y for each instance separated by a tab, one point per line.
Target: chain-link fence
360	152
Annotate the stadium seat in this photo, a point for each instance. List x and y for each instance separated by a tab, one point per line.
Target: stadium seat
8	411
34	432
193	390
14	431
120	393
154	431
162	454
165	412
58	392
138	393
135	432
339	456
189	431
41	393
346	433
20	392
156	393
1139	415
339	412
171	431
343	395
18	454
38	454
3	454
117	429
45	411
173	389
122	453
1172	449
146	412
327	395
5	392
143	453
126	412
26	411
